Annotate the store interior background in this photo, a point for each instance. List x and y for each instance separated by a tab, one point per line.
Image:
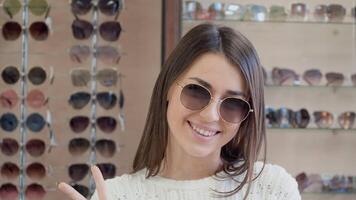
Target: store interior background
141	44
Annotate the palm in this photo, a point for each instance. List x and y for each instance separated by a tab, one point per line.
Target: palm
99	182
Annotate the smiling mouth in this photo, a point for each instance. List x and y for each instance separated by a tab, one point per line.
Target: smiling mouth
202	132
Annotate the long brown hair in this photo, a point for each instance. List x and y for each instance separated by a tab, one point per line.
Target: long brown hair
245	146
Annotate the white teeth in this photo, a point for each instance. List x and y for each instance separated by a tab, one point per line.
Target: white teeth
203	132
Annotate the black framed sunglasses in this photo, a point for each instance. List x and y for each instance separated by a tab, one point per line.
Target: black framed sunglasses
231	109
107	7
109	30
36	75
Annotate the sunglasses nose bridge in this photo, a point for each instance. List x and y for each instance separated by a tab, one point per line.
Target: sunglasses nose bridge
211	111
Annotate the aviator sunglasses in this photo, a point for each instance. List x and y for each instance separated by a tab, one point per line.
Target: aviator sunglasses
106	7
231	109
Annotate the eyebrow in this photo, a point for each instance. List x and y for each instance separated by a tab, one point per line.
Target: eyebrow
208	85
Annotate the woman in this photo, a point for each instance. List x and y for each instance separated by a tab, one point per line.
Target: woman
204	129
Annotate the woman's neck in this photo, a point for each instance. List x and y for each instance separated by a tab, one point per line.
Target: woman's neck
179	165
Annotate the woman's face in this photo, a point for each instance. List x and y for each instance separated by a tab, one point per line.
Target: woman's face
186	126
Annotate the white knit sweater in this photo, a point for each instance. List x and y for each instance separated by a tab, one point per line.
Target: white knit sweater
273	184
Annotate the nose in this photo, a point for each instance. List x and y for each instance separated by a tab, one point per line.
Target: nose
211	113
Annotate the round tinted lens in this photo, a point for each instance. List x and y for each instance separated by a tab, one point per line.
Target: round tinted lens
37	75
195	97
9	191
107	169
79	123
9	146
234	110
83	190
35	191
9	99
38	7
39	31
109	7
79	53
10	75
35	147
107	77
8	122
10	170
11	30
12	7
36	171
106	124
108	55
81	7
78	171
35	122
36	98
110	31
78	146
82	29
106	148
79	99
106	99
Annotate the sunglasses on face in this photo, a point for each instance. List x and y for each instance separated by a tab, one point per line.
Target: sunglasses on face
347	119
79	146
78	172
107	7
232	110
110	30
12	30
36	7
106	77
80	123
35	99
34	147
9	191
11	75
35	171
107	54
79	100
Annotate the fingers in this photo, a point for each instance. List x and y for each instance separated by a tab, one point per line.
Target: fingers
70	191
99	182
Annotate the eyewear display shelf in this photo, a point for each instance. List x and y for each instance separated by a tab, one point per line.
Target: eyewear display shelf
299	44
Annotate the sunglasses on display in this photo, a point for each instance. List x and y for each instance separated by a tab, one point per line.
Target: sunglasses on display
277	13
281	76
9	191
35	171
36	7
216	11
312	76
234	11
353	79
82	189
298	10
334	79
34	147
36	75
107	54
78	124
78	172
302	118
35	99
335	12
34	122
346	120
8	122
255	12
106	7
109	31
193	10
323	119
285	117
79	146
79	100
231	109
106	77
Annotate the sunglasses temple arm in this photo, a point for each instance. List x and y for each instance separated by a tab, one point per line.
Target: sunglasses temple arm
8	12
51	75
121	119
47	12
51	132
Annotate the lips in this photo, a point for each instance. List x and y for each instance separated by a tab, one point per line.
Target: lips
203	131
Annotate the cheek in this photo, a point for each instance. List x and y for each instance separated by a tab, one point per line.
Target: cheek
231	132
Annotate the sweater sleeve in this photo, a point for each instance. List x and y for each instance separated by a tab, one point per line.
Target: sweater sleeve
116	188
280	185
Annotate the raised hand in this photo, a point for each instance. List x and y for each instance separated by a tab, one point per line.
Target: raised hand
99	182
